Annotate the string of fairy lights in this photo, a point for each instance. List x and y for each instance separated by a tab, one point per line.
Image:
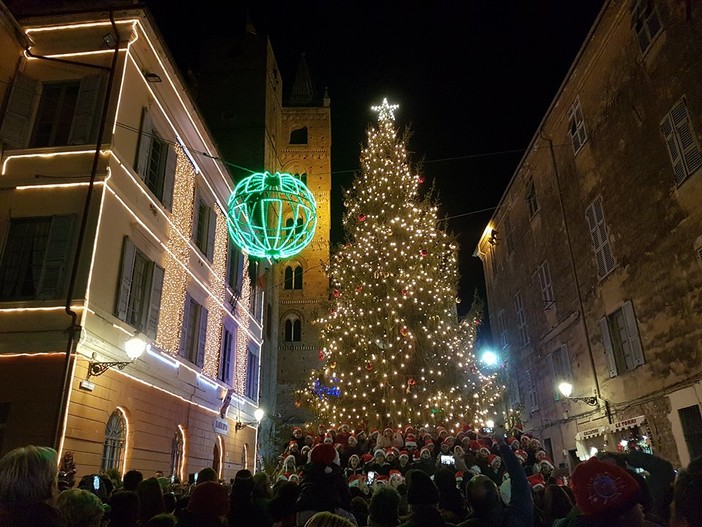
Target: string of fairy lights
392	348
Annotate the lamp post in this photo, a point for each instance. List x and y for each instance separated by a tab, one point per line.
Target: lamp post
134	348
566	390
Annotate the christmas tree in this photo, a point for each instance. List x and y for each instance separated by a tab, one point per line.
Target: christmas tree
393	349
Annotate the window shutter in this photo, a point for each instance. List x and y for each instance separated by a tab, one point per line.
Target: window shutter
565	358
202	338
53	269
144	148
125	281
196	215
554	377
211	228
184	327
16	128
692	158
154	301
169	176
87	112
632	330
607	343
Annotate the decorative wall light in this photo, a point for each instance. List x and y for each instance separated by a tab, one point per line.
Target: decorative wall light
134	348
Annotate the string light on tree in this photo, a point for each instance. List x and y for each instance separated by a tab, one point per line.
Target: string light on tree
400	353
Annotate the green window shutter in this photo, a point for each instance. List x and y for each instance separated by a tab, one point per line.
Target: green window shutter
565	362
196	215
202	338
169	176
608	349
125	280
184	327
298	278
211	226
16	125
144	148
632	330
56	258
87	113
154	301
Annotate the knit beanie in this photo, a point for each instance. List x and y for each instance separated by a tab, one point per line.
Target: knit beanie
421	489
602	489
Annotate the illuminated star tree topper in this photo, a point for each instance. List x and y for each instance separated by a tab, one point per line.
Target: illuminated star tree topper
385	110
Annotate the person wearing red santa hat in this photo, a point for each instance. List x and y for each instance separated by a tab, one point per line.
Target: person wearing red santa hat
404	462
495	470
379	465
425	463
353	467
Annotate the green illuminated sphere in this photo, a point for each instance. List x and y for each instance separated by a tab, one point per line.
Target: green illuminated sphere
272	216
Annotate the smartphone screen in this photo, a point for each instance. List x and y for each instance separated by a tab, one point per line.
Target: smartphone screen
96	482
447	459
371	477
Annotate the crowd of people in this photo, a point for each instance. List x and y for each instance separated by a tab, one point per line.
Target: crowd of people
411	478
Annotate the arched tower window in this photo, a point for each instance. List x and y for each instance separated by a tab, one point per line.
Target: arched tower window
288	279
293	329
298	136
115	441
297	279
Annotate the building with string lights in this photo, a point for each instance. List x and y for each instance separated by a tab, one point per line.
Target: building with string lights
593	256
131	327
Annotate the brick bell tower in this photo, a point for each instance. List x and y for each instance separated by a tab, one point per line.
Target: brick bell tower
304	148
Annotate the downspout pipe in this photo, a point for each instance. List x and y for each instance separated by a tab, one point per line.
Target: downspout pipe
74	328
574	270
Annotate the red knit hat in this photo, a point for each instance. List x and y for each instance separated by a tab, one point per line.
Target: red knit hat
603	489
404	453
324	455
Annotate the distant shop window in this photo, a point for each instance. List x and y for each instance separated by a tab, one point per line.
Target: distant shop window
599	234
298	136
140	287
251	387
156	161
531	199
681	142
576	126
301	176
645	22
691	421
620	337
194	332
177	444
226	366
115	439
521	319
293	329
67	112
235	269
35	258
532	395
560	369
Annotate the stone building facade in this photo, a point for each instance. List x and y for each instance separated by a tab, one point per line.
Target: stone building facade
593	258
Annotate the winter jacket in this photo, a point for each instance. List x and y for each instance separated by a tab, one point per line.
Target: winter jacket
321	491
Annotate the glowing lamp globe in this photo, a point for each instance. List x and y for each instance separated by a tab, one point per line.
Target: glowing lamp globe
272	216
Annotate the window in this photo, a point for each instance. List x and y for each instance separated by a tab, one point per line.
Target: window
293	329
559	365
509	235
235	267
194	331
115	438
204	223
34	263
67	112
226	363
140	287
251	388
545	283
302	177
4	417
156	161
576	126
257	284
620	337
521	319
599	234
532	203
298	136
645	22
502	329
691	422
269	319
288	278
177	444
532	395
681	141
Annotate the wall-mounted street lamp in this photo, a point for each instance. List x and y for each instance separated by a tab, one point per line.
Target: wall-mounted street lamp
489	358
258	415
134	348
566	389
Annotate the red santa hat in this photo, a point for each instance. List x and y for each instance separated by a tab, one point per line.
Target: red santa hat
292	444
484	448
512	440
388	428
603	489
329	439
423	449
410	441
355	480
547	461
416	455
521	455
541	454
459	476
324	455
404	453
474	445
536	480
409	429
296	429
352	439
374	432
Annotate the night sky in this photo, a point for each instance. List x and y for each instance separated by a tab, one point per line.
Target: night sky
472	78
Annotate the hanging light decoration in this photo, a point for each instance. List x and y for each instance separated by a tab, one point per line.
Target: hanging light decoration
272	216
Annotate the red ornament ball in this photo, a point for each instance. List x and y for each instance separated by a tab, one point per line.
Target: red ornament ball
361	217
332	364
405	292
359	288
298	403
336	293
423	252
404	331
369	366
